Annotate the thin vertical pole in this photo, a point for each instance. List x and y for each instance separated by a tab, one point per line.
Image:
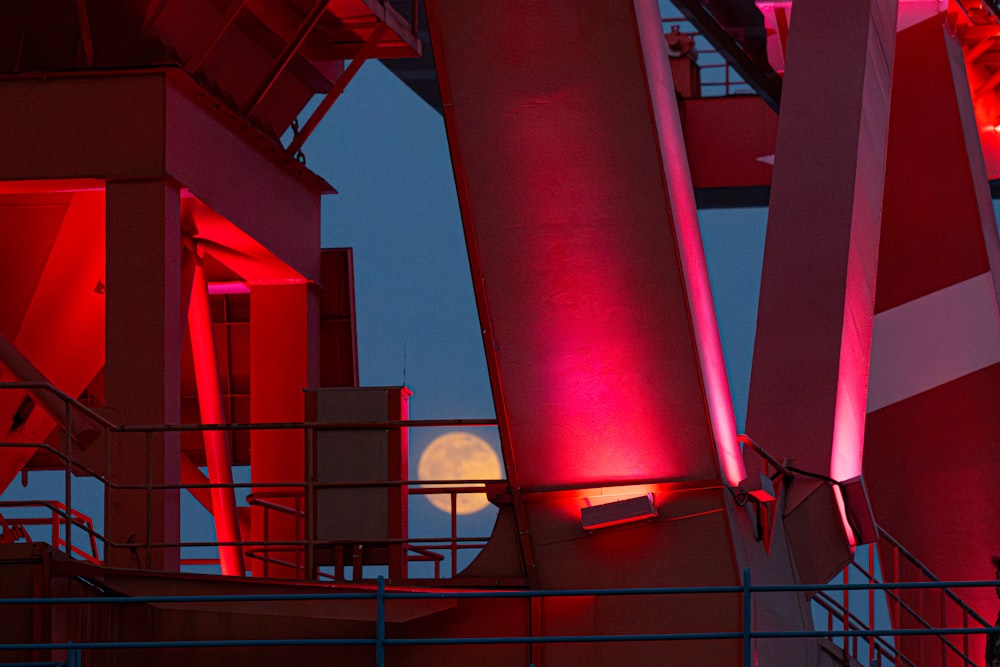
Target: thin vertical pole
380	623
747	610
871	600
943	623
965	637
104	480
848	641
310	517
896	601
216	443
454	532
69	480
149	500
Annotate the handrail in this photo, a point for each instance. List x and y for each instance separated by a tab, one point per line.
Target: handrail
280	489
905	611
61	395
61	515
930	575
262	426
730	77
382	594
836	610
265	493
843	614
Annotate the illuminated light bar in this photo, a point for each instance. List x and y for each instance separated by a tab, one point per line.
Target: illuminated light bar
234	287
630	510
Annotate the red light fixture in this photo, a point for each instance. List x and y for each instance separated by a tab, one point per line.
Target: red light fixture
629	510
759	487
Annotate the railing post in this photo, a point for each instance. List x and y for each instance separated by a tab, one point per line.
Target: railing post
747	610
896	599
69	481
871	601
454	533
943	622
965	637
310	504
380	623
848	641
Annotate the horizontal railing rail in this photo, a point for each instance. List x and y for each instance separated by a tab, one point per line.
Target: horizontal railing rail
717	78
266	495
383	596
286	497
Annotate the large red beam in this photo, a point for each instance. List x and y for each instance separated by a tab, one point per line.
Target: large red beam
935	379
598	319
583	236
810	364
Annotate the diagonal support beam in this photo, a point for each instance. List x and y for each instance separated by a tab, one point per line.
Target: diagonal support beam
810	365
286	56
217	455
232	11
338	88
86	37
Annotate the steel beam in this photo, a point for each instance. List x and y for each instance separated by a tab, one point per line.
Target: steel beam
217	450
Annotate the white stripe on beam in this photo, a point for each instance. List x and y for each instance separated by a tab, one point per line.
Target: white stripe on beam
932	340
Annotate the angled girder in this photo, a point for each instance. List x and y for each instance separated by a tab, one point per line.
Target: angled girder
931	433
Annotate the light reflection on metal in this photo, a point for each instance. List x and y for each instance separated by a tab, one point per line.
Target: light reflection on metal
217	453
618	512
691	252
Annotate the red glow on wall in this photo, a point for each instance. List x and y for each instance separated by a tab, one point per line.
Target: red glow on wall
62	330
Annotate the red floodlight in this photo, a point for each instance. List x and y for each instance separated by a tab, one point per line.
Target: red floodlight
629	510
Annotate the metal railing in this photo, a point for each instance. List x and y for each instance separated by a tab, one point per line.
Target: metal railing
299	551
882	601
378	638
716	77
297	498
855	630
58	521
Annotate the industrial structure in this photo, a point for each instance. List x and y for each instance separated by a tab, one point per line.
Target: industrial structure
169	317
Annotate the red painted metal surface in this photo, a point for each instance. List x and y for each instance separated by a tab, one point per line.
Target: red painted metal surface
930	440
596	310
811	350
587	307
217	447
603	350
61	284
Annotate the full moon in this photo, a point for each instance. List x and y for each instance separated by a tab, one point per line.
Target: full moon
459	456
